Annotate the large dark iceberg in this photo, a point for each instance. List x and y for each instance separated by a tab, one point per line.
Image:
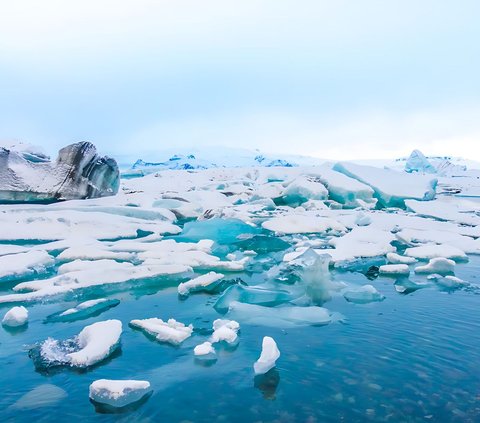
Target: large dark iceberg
78	173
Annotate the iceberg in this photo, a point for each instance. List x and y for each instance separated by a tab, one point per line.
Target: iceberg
16	316
78	173
270	354
417	162
225	330
438	265
391	188
171	331
118	393
206	282
363	294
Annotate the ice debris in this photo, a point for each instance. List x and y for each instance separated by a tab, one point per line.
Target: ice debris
268	357
171	331
118	393
363	294
205	282
16	316
225	330
438	265
417	162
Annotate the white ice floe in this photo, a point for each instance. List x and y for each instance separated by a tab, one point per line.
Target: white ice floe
439	265
25	264
118	393
96	342
16	316
225	330
204	282
444	210
426	252
362	294
448	281
268	357
395	258
301	223
171	331
203	350
82	274
281	317
394	269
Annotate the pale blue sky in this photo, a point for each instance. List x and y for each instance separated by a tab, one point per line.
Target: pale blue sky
335	79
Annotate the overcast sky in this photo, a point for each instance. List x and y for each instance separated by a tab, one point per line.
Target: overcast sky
335	79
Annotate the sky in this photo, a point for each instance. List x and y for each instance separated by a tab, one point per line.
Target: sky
339	79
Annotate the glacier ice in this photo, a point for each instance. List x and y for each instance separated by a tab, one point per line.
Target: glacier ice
171	331
118	393
268	357
78	172
16	316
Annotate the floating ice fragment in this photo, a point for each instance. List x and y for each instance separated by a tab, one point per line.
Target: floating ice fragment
394	269
171	331
25	264
439	265
96	343
268	357
204	350
448	282
118	393
225	330
16	316
395	258
281	317
251	295
363	294
205	282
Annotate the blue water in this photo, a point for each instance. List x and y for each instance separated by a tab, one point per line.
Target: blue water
409	358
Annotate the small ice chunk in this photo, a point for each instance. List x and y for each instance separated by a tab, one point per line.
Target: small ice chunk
16	316
363	219
97	342
225	330
118	393
426	252
395	258
204	282
449	282
363	294
439	265
268	357
394	269
205	349
170	331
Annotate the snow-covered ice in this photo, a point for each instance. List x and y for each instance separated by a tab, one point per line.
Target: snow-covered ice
437	265
268	357
201	283
394	269
118	393
362	294
225	330
16	316
171	331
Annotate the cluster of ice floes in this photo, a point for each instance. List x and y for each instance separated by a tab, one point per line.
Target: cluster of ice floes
269	247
